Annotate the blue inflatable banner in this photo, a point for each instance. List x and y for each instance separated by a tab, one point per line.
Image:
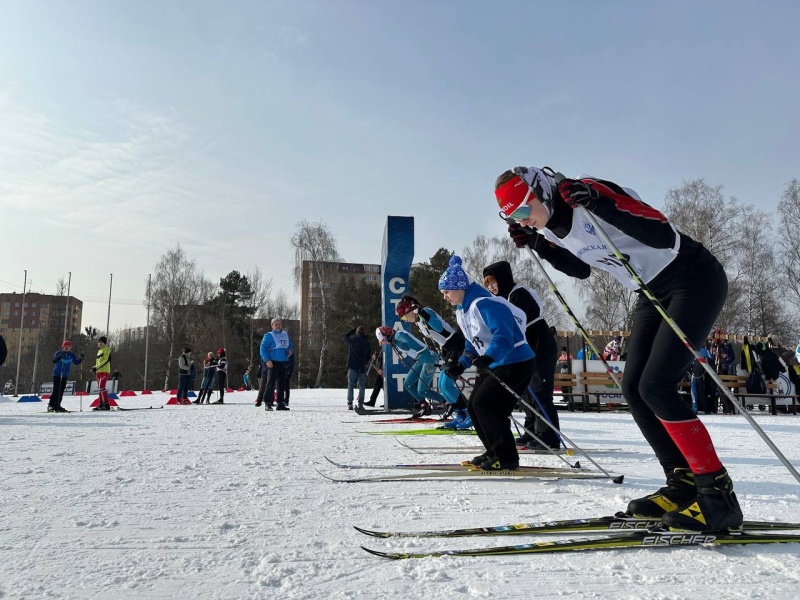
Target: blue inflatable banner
397	256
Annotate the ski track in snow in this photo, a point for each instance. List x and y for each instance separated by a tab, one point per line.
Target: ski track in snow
224	502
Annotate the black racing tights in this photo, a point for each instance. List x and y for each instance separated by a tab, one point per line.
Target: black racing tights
657	359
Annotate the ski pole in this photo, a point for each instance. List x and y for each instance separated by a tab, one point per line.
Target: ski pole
567	309
403	360
682	336
517	425
617	479
544	413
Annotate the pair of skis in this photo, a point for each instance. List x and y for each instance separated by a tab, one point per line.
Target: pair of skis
629	532
423	471
479	449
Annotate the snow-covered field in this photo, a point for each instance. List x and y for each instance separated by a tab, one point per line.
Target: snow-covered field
224	502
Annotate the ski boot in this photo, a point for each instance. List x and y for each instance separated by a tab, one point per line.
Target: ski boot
680	489
715	508
423	411
461	414
495	464
523	439
465	424
478	460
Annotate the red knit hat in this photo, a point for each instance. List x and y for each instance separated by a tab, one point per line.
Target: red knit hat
66	343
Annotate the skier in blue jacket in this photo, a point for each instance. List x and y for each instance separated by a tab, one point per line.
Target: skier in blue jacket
494	332
63	359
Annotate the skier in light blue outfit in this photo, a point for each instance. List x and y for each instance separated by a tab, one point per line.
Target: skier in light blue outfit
418	380
450	345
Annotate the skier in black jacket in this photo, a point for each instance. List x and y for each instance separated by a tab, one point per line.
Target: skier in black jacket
357	362
691	285
499	280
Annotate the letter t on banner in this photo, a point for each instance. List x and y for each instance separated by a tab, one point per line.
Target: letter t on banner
397	256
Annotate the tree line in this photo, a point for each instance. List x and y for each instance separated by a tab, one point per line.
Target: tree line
759	251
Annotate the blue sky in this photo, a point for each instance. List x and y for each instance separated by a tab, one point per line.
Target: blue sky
126	127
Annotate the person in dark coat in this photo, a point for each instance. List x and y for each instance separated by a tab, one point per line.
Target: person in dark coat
377	364
499	280
3	351
287	376
357	361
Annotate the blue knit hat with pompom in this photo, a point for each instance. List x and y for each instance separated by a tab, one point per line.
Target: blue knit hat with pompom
454	278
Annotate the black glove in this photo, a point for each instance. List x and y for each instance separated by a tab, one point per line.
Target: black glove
577	193
83	356
482	362
94	369
519	235
455	371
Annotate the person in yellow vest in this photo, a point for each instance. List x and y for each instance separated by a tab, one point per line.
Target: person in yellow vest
102	368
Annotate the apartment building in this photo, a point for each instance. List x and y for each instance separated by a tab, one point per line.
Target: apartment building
312	286
36	314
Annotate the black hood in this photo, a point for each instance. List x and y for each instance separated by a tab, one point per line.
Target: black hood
501	271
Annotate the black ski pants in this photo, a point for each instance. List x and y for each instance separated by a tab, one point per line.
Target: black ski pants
490	405
275	379
542	385
657	359
222	383
59	385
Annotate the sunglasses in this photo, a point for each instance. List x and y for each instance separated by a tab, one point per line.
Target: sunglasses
514	192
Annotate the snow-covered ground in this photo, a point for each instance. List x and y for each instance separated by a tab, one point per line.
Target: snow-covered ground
225	502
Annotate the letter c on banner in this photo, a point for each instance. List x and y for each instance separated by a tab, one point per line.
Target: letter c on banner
397	285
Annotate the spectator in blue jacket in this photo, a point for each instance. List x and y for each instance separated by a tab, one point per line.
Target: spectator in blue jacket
63	360
357	363
276	348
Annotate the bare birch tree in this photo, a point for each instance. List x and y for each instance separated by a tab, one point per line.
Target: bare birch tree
789	232
176	290
260	288
702	212
609	303
315	244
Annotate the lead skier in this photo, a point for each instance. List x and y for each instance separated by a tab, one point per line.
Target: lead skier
688	281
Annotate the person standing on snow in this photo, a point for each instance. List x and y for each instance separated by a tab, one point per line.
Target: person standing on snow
450	344
63	360
222	375
207	382
377	364
691	285
494	342
185	364
275	350
499	280
358	354
102	368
